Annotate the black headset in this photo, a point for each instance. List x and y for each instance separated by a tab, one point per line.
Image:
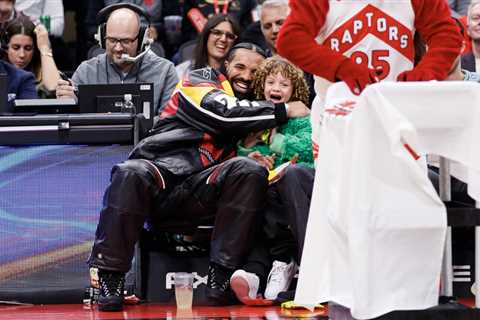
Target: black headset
102	17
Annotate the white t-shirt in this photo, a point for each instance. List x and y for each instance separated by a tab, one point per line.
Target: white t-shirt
36	8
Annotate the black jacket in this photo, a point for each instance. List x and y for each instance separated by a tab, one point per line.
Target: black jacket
468	62
202	123
21	84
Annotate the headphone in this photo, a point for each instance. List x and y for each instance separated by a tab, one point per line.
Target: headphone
104	14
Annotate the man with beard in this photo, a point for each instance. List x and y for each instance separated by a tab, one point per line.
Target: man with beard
123	36
185	174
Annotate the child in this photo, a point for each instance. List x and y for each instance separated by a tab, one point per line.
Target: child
276	80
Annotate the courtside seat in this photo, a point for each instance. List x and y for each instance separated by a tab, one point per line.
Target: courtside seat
463	220
458	267
160	254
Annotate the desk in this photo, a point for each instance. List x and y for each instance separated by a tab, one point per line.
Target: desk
87	128
376	230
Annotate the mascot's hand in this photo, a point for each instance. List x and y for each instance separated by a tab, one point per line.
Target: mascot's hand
417	74
356	76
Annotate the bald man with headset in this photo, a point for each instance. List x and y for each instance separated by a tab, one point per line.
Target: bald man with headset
127	58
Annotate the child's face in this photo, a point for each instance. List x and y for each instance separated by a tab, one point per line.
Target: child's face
278	88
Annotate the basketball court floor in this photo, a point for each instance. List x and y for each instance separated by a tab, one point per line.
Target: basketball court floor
159	311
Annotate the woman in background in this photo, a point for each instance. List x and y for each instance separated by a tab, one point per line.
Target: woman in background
217	37
28	48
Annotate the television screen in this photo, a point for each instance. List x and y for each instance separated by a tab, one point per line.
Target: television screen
49	207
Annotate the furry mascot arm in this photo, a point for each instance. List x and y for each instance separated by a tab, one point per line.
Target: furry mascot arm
436	27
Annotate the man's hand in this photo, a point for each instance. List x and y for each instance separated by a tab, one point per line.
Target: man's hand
264	161
357	77
252	139
297	109
65	89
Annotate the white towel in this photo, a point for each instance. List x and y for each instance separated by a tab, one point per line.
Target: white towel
376	230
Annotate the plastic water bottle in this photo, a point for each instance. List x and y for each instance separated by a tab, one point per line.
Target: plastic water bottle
130	107
128	103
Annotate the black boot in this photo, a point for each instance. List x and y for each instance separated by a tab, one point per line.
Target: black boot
218	285
111	290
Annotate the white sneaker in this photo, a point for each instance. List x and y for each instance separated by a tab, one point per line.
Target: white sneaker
279	278
244	285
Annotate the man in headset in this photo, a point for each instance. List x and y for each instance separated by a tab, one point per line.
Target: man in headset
122	38
186	174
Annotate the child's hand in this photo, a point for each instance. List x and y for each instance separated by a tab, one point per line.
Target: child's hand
265	161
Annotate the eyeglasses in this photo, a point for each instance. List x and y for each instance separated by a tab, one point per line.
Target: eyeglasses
219	33
125	42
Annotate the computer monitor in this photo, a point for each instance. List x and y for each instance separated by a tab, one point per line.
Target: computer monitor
109	98
3	93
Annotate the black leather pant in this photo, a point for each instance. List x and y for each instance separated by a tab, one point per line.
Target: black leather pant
230	196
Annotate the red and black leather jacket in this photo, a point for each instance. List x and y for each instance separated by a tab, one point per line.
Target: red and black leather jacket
202	123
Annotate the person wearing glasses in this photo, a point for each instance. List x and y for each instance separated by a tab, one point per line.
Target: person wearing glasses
122	30
218	36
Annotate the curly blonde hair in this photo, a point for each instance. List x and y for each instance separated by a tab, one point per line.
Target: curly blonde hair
274	65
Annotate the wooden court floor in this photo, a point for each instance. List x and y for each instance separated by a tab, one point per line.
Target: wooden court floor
159	311
152	311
